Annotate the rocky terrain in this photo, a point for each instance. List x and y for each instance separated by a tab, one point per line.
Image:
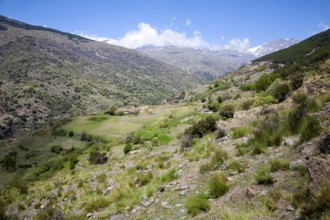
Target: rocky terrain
253	144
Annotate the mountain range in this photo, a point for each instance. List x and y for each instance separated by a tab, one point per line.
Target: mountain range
210	64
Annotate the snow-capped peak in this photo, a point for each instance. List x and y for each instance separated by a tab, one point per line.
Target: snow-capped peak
272	46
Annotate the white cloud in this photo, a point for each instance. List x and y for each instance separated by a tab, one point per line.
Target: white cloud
239	44
188	22
148	35
323	26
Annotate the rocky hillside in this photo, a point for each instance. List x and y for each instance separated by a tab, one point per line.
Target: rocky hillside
254	144
46	73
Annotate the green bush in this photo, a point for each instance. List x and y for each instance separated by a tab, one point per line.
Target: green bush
248	87
20	184
279	90
84	136
246	104
265	81
71	133
73	160
296	81
96	157
218	185
310	128
144	178
206	167
263	176
9	163
56	149
278	164
202	127
236	165
218	157
128	148
263	99
197	203
112	110
227	111
240	132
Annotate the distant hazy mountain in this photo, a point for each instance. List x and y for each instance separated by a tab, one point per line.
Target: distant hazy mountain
211	64
272	46
46	73
201	62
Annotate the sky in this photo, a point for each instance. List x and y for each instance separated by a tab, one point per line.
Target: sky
239	24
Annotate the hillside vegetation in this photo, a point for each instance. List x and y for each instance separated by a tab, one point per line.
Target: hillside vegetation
46	73
253	144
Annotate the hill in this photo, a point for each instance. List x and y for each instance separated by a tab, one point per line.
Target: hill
45	73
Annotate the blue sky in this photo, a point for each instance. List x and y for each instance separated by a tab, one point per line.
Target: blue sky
196	23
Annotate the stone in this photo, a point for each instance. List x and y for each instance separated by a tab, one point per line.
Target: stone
249	193
89	215
178	214
324	144
183	193
166	205
180	173
117	217
133	211
294	164
161	188
42	207
184	187
290	208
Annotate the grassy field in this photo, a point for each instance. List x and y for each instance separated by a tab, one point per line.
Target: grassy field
147	126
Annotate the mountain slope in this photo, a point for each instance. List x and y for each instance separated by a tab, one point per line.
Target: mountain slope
272	46
318	44
46	73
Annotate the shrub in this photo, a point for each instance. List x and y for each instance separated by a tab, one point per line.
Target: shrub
311	128
227	111
96	157
240	132
236	165
84	136
144	178
197	203
56	149
219	156
278	164
248	87
263	99
265	81
246	104
71	133
186	141
9	163
263	176
220	133
20	184
49	213
128	148
73	160
112	110
279	90
218	185
297	81
202	127
206	167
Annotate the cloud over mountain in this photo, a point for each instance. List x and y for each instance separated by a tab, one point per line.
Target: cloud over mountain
145	34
